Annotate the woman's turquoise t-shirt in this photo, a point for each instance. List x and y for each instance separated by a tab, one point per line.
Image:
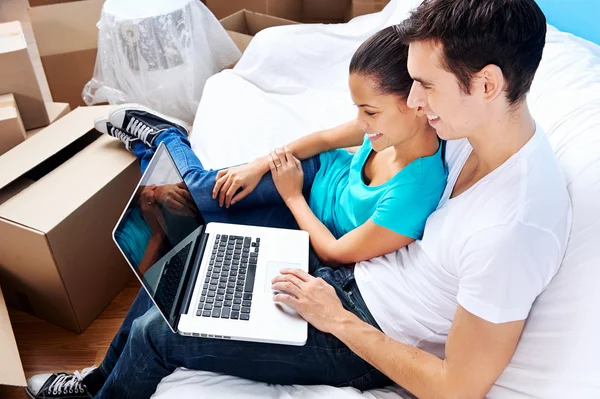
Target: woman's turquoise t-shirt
342	201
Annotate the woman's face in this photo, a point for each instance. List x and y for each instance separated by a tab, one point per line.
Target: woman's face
385	118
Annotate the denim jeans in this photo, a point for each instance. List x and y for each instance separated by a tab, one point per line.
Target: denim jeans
201	182
145	350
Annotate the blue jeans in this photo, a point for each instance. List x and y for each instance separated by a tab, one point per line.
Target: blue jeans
145	350
201	182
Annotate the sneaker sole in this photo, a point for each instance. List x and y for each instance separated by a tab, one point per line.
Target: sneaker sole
100	124
112	116
29	394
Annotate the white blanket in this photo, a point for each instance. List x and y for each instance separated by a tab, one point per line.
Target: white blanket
293	80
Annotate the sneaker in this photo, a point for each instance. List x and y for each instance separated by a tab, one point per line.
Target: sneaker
104	126
143	123
59	385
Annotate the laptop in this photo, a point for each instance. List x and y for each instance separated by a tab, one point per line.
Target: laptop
209	280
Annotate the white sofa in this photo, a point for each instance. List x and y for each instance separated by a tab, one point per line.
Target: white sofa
564	325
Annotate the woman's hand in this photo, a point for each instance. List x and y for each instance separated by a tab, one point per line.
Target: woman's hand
229	181
151	212
287	173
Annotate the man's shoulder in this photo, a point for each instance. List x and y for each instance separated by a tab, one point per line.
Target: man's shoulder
530	188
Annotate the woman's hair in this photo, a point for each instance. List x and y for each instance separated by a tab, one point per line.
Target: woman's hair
383	58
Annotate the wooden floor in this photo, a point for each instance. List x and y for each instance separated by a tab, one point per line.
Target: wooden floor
45	347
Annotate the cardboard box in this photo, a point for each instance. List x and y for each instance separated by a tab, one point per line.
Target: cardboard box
67	39
37	3
12	131
18	77
324	11
362	7
11	368
288	9
243	25
55	112
61	194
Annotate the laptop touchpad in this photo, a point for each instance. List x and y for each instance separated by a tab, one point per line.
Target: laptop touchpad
273	270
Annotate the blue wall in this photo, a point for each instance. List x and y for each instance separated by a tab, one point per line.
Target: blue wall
579	17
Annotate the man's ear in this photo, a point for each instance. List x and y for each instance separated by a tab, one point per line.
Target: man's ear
491	82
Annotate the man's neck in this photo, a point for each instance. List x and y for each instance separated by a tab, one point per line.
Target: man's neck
503	137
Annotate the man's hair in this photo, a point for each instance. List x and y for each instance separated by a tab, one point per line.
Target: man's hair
474	33
383	58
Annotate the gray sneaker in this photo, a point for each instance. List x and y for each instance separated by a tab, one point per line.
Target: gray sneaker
59	385
143	123
104	126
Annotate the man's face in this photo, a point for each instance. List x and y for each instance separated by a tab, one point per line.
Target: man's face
450	111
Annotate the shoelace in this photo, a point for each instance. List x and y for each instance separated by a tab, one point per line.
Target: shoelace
66	383
121	135
139	129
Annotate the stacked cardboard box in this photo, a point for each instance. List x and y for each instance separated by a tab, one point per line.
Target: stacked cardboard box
18	77
243	25
307	11
289	9
12	130
22	108
362	7
55	112
11	368
319	11
67	39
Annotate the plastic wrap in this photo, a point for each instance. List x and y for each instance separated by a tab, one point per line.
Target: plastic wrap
158	53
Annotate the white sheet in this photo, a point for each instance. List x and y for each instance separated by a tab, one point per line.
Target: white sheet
193	384
292	81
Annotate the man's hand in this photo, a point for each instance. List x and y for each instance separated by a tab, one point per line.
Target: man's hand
313	299
287	173
229	181
176	199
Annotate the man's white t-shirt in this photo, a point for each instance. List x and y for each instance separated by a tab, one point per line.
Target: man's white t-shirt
492	249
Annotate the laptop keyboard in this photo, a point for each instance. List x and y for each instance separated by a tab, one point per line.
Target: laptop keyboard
170	279
229	281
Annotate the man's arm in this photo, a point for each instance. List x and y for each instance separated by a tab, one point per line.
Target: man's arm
477	352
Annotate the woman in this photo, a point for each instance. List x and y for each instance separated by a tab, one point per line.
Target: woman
387	189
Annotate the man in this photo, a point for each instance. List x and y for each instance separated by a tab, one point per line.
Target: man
444	315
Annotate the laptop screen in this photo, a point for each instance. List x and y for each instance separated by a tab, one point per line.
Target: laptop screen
157	231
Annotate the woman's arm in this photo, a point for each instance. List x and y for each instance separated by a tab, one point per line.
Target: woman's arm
342	136
365	242
229	181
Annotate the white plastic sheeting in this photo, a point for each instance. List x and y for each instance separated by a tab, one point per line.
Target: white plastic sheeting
158	53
